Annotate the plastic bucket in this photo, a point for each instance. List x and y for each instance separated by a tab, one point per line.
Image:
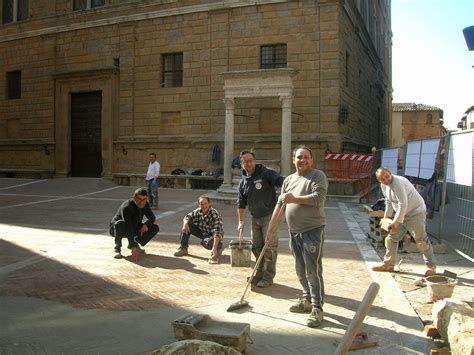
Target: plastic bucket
439	287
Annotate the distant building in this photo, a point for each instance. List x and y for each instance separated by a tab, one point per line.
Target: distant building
411	121
467	121
90	87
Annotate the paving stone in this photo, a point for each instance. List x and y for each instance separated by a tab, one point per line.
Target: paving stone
57	274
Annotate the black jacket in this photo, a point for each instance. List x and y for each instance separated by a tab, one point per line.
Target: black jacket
258	191
133	216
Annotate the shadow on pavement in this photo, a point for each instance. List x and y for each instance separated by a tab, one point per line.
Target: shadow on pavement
278	291
166	262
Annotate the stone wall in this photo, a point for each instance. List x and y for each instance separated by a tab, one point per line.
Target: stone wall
417	125
181	124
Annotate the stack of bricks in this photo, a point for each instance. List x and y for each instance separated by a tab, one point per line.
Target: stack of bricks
375	234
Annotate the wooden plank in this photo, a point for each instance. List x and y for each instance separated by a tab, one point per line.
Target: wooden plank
367	209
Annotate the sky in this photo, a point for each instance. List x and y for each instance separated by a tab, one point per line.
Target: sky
431	63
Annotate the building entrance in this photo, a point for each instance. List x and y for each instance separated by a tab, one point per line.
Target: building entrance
86	152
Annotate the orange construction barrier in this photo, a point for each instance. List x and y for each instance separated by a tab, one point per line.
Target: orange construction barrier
354	167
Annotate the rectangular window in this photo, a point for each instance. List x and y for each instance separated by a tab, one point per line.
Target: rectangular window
13	85
87	4
273	56
172	70
14	10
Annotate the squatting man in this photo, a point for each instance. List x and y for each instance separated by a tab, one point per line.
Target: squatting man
128	222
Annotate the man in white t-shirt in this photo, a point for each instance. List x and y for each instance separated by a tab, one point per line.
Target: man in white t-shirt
152	180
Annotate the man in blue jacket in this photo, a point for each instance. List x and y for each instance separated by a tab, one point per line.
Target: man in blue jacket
257	190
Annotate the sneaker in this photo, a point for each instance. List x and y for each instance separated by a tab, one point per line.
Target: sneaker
303	306
264	283
181	252
118	255
214	260
315	318
430	271
382	268
255	280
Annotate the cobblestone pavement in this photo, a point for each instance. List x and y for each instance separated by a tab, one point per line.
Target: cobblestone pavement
62	292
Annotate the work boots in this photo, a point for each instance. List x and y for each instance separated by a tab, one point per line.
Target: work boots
182	251
303	306
315	318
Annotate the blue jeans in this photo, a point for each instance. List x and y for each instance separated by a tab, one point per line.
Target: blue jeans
307	249
152	192
207	241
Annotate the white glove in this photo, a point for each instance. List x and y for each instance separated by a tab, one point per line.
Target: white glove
240	228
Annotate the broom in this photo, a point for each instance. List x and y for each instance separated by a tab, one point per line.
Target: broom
269	237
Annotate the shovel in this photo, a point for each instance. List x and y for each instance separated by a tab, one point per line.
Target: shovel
270	235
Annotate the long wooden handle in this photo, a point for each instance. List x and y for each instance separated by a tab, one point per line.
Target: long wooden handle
270	235
359	317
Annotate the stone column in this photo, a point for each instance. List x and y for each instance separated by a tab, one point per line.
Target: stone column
286	134
228	142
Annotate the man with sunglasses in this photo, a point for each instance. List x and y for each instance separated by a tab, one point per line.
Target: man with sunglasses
257	190
128	222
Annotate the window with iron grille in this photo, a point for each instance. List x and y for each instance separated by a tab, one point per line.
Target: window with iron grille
87	4
172	70
273	56
13	85
14	10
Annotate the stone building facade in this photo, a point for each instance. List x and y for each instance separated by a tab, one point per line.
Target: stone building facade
411	121
92	86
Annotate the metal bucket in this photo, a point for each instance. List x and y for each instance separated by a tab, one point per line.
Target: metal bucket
439	287
240	257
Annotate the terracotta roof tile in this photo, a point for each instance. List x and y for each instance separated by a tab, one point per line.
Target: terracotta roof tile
411	106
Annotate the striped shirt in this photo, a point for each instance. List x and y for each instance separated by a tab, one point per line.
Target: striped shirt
209	224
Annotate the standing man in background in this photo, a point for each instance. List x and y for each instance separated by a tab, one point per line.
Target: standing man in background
152	180
257	190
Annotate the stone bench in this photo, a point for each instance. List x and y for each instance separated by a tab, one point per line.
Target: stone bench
26	173
171	181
